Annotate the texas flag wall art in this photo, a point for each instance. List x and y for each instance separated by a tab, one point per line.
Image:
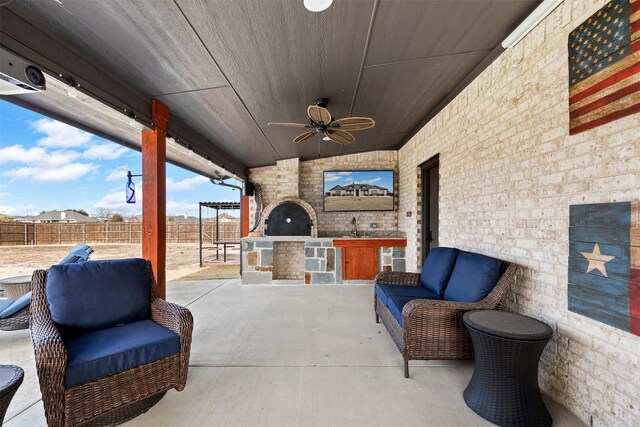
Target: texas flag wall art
604	263
604	66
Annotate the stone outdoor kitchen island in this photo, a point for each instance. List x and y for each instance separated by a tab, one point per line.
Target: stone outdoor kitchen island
296	241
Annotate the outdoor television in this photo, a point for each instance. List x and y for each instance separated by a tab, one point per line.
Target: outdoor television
358	190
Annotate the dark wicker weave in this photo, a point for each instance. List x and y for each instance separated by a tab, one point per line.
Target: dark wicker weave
433	329
9	389
116	398
504	386
20	320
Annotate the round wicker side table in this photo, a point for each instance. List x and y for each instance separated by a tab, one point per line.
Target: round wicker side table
10	379
504	386
15	287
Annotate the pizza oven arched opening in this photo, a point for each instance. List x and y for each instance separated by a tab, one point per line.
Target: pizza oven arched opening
288	219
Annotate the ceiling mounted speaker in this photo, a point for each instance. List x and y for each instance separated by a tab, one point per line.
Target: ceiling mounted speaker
317	5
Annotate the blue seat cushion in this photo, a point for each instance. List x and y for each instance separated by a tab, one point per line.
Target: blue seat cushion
109	351
396	303
437	269
14	306
385	291
473	277
98	294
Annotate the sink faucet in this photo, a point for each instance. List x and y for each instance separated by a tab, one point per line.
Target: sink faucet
354	227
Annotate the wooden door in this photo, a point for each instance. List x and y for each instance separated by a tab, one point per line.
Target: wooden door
429	220
359	263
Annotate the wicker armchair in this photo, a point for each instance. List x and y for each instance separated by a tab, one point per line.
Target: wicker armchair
111	399
433	329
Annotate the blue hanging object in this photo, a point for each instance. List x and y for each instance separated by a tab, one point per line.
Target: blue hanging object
130	188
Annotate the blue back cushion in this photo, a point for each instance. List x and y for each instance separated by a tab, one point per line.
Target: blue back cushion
95	295
437	269
473	277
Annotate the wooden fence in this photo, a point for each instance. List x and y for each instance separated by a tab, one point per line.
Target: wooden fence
111	232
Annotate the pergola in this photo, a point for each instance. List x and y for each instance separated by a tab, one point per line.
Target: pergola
218	206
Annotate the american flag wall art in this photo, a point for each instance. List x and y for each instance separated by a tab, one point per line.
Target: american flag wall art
604	66
604	263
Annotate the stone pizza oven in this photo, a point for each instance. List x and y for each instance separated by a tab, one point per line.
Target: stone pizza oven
290	216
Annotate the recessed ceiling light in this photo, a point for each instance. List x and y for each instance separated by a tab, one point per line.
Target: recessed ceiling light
326	138
317	5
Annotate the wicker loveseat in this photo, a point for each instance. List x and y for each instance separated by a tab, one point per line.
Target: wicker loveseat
423	311
106	346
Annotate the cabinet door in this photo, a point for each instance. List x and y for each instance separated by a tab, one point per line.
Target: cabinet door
359	263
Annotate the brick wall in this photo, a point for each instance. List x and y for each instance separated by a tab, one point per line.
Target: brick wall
288	260
311	191
267	177
508	173
304	179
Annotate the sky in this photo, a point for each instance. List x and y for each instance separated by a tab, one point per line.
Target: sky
47	165
379	178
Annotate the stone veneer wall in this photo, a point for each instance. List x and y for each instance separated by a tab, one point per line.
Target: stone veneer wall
304	179
267	260
508	173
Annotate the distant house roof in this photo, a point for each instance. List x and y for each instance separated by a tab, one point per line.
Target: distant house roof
355	184
62	216
182	218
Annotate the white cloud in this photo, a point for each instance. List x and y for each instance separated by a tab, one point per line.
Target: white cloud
117	174
59	134
18	210
181	207
36	156
185	184
331	177
115	201
68	172
370	181
107	151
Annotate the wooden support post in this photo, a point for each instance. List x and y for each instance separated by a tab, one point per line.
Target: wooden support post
154	225
200	230
244	216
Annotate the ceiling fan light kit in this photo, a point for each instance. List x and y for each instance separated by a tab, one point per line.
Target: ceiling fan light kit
321	121
317	5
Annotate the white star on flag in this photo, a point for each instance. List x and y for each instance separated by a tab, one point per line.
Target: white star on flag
597	261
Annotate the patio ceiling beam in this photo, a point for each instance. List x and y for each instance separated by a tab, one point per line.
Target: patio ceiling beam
154	202
62	61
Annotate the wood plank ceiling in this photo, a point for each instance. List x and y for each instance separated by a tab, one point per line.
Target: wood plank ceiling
226	68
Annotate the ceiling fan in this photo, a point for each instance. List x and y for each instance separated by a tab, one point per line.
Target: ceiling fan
321	121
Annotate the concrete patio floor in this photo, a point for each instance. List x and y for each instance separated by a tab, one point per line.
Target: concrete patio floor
287	356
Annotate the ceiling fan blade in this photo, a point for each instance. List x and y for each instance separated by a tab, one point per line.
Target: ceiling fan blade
292	125
340	136
354	123
304	136
319	115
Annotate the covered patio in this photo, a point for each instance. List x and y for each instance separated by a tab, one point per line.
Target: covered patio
498	134
287	356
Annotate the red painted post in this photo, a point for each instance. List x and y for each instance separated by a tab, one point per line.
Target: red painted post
244	216
154	225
